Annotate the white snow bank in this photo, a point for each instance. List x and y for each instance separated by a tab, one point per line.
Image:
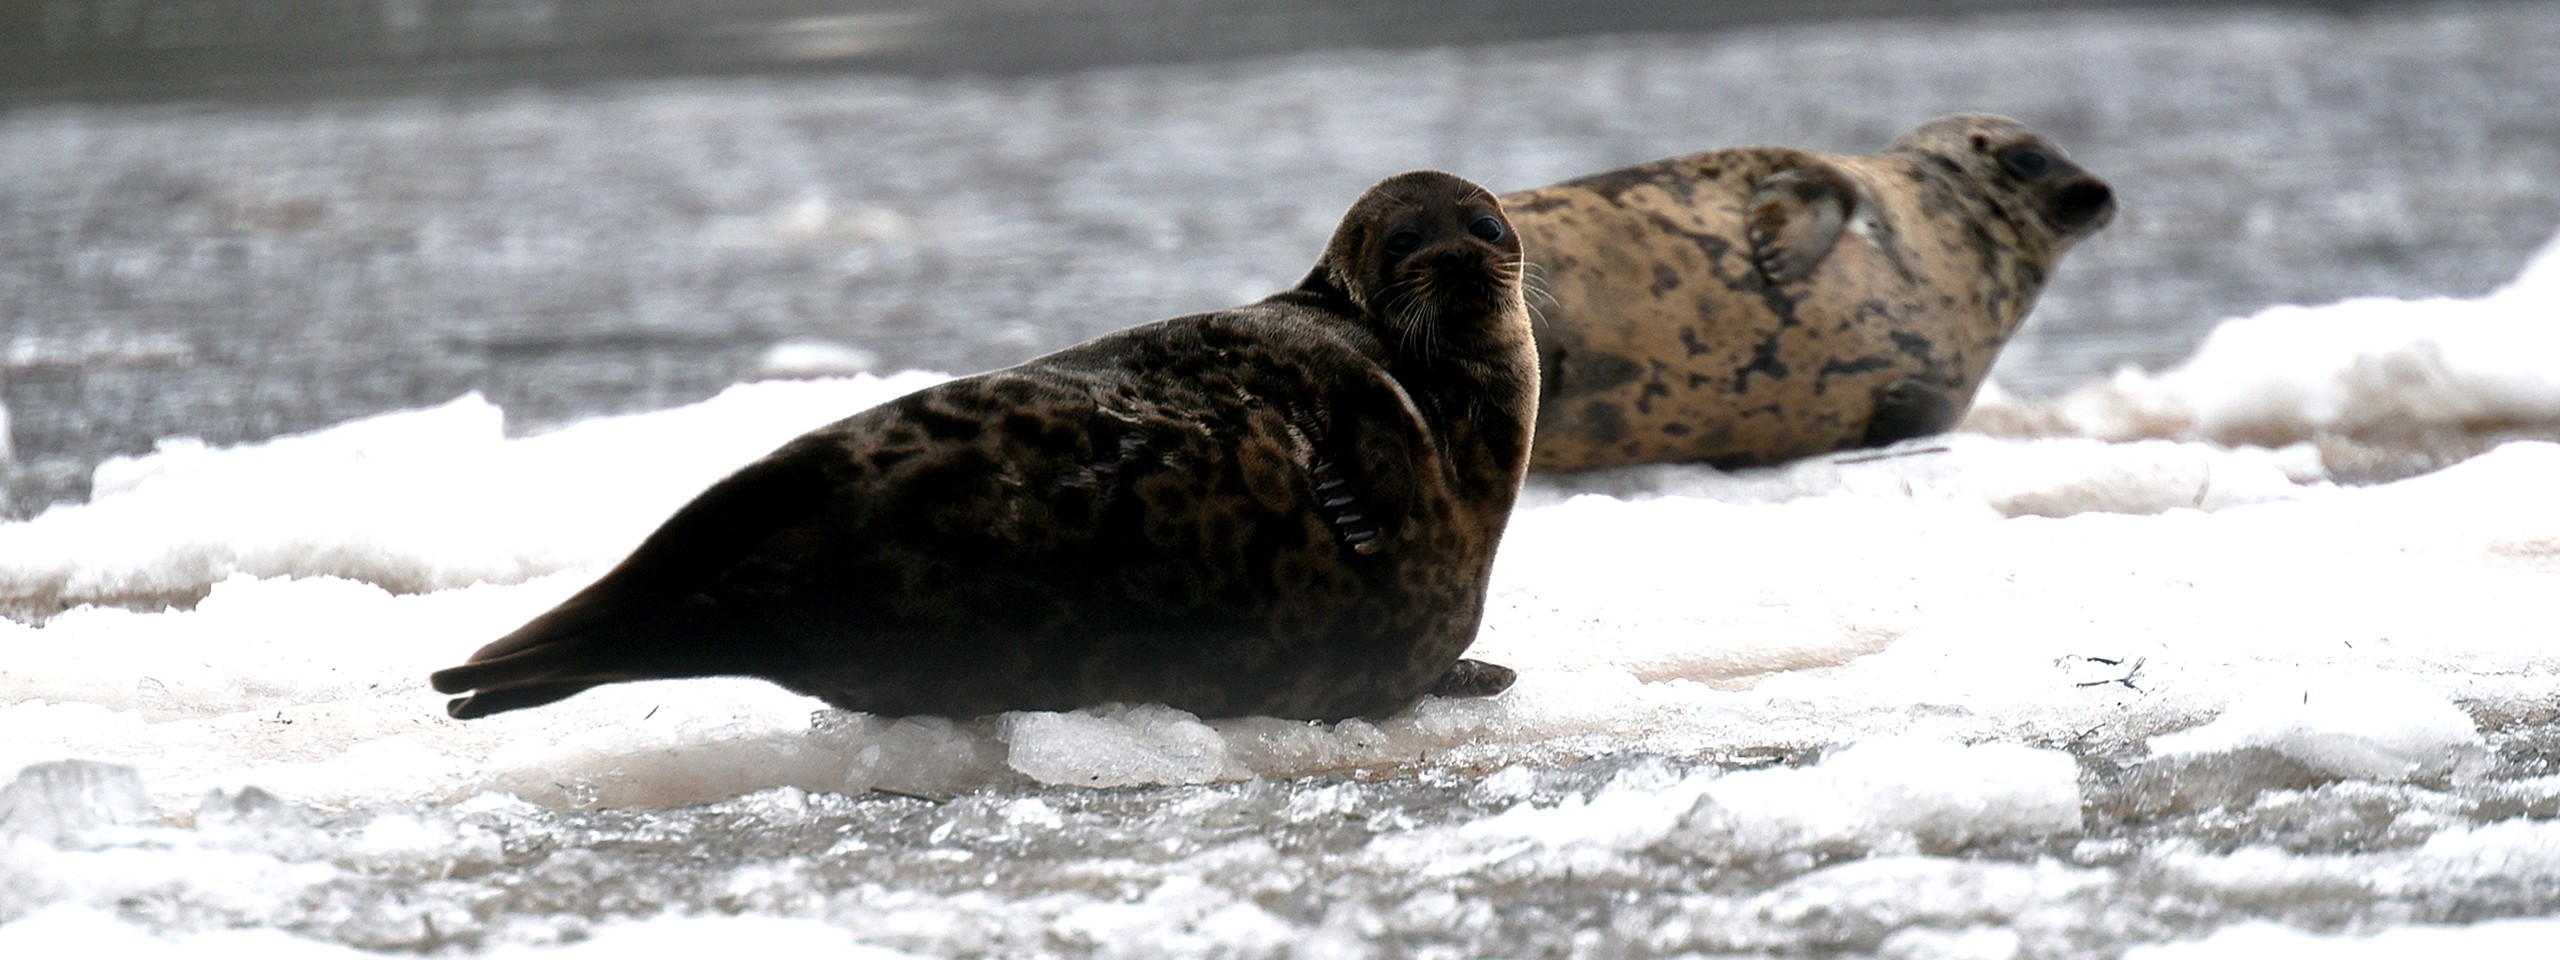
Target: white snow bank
2368	368
423	500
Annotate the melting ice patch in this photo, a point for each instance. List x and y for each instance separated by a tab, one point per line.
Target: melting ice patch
1917	702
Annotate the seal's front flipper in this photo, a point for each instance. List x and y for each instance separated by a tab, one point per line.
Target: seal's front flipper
1361	461
1907	408
1794	218
1474	678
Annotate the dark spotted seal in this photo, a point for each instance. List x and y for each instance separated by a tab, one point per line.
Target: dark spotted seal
1288	508
1755	305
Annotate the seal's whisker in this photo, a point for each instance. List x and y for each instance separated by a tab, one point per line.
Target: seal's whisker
1422	320
1408	301
1532	280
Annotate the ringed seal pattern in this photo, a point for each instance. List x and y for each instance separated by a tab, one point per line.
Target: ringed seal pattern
1750	306
1288	508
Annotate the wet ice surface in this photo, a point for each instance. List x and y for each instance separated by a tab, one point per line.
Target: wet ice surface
2084	682
1925	849
237	272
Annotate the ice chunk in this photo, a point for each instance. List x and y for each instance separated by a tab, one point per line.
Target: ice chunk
1970	943
702	936
430	840
1891	794
1865	902
2368	367
1115	746
928	756
69	930
2257	940
67	798
2369	726
723	737
814	358
63	930
1630	812
1183	917
253	819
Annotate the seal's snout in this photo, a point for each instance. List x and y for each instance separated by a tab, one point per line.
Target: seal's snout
1463	275
1459	258
2083	205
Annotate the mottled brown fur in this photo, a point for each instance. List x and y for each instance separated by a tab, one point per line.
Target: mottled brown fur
1755	305
1289	508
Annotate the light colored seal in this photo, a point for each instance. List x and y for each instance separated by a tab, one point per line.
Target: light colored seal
1289	508
1755	305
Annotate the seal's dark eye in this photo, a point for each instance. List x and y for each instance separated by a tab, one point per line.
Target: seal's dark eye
1486	229
2027	163
1403	242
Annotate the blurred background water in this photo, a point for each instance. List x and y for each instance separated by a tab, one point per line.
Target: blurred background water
236	219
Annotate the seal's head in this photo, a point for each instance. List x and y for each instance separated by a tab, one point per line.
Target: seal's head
1431	259
2008	161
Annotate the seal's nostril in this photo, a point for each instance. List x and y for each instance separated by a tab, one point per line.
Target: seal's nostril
2083	203
1459	257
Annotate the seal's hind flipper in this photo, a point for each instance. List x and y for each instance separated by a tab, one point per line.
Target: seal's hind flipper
538	668
486	702
647	618
1795	217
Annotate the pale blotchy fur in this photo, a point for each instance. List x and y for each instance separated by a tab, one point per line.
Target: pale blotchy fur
1755	305
1289	508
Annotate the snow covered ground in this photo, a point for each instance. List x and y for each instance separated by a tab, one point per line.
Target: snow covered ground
2127	673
